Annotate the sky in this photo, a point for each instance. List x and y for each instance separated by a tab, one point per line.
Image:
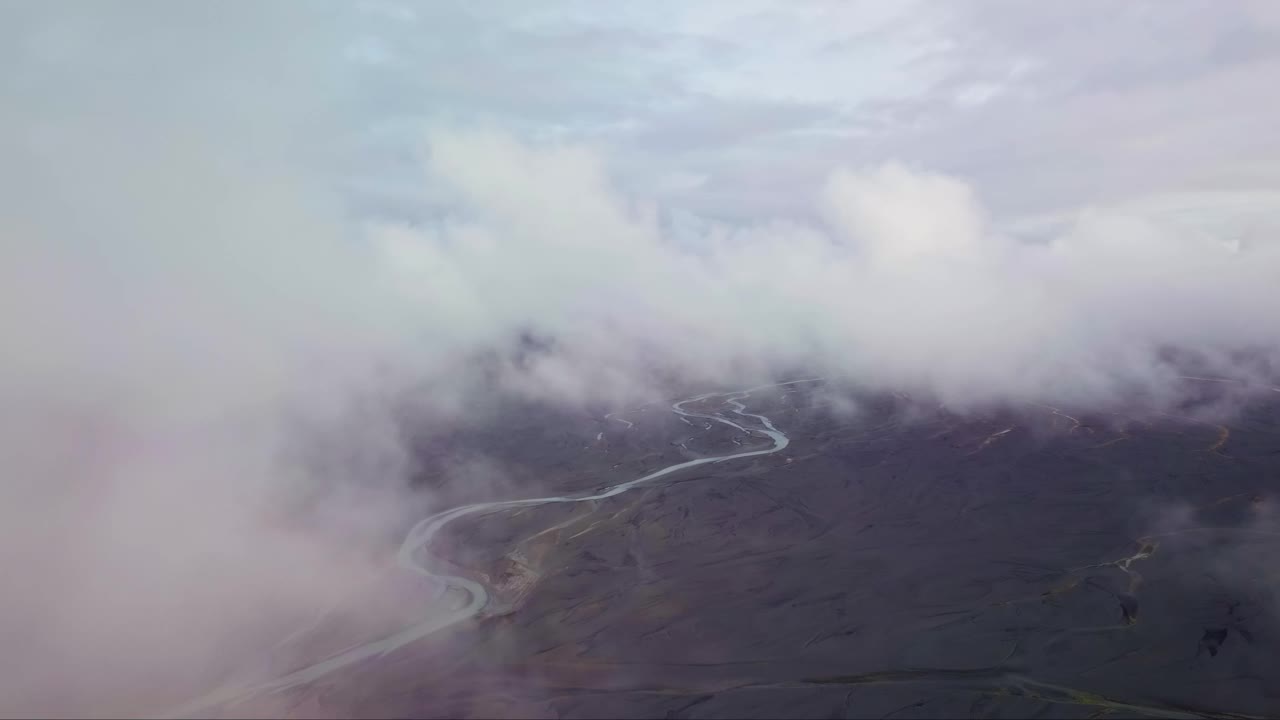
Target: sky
740	109
239	243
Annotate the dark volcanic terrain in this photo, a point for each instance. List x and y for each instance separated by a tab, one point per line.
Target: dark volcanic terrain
891	562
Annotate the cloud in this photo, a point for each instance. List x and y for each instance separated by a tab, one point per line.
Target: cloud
903	217
909	285
183	314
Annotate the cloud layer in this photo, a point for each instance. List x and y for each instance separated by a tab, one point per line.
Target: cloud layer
907	284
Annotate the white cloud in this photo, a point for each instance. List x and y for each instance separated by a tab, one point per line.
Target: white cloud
912	287
901	216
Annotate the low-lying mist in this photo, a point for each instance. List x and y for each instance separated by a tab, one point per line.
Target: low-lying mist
209	361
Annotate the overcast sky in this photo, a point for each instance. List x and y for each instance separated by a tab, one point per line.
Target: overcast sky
740	108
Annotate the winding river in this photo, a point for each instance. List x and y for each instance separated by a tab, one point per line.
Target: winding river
409	557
